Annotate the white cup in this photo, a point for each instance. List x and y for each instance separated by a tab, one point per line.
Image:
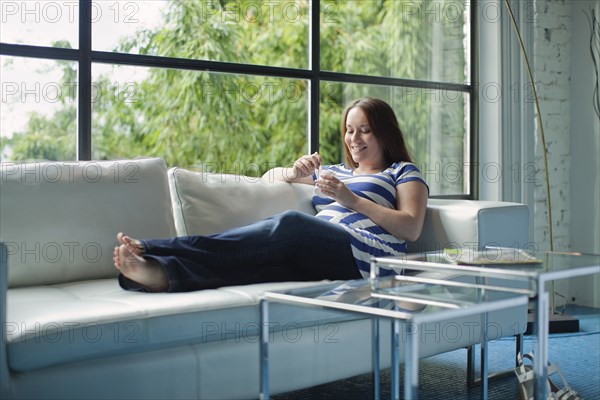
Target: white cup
321	172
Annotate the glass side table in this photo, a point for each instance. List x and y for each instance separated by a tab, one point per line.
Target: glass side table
405	301
507	266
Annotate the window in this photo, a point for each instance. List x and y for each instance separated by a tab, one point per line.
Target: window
419	40
40	23
181	114
235	85
32	90
271	32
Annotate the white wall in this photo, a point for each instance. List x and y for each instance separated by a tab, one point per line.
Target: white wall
585	151
564	75
557	36
490	62
552	44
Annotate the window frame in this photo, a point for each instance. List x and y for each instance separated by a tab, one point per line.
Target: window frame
85	57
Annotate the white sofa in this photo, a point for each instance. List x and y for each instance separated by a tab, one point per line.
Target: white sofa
69	330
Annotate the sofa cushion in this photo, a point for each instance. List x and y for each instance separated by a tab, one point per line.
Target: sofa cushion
59	219
58	324
209	203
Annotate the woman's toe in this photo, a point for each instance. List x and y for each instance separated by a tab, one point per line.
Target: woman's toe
121	238
116	259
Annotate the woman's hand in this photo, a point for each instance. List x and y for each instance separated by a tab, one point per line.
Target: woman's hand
300	172
304	167
404	222
331	186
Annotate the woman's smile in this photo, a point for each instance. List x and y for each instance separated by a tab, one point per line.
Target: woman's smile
358	148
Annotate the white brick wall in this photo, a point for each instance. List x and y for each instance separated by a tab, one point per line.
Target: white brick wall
551	63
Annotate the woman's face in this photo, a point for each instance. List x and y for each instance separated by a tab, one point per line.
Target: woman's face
361	141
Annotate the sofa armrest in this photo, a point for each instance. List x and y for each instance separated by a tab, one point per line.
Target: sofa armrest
4	375
473	224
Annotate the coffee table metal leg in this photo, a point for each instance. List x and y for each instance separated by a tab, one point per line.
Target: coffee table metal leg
484	342
264	350
541	357
395	369
375	355
484	357
411	363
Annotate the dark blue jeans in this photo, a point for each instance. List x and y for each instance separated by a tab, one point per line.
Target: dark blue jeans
291	246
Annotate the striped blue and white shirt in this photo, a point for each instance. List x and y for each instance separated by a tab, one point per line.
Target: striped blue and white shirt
367	238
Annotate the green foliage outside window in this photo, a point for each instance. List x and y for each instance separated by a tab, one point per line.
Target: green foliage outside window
247	124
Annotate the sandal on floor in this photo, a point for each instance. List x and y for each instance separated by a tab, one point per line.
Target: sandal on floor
566	393
525	375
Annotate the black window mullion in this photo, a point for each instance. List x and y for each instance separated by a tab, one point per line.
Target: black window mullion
315	80
84	110
474	107
49	53
152	61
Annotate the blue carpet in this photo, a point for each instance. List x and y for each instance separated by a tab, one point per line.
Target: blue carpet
443	377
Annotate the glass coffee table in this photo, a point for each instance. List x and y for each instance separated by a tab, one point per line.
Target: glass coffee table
503	269
406	301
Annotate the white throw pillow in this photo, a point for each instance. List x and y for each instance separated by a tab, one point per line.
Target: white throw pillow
209	203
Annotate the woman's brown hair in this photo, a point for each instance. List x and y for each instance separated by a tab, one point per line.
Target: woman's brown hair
384	124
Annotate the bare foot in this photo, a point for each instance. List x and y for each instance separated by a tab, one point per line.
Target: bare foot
145	272
134	245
